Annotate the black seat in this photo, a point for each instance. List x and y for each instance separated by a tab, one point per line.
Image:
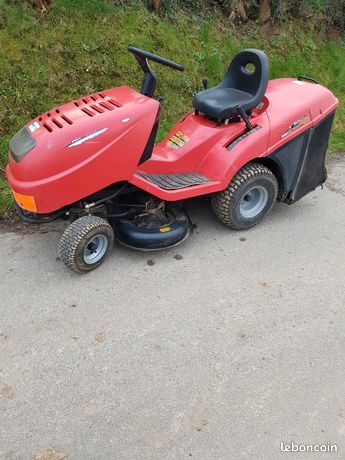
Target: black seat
240	86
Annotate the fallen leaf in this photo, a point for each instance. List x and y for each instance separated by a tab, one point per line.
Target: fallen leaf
7	390
100	337
50	454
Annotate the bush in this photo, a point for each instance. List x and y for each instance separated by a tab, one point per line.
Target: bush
327	13
37	4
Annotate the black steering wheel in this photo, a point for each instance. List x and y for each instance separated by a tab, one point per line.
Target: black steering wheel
138	53
150	79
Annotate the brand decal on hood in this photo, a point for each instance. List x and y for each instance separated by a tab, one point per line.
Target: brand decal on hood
302	121
81	140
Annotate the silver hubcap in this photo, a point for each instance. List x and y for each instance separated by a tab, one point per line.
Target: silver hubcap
253	202
95	249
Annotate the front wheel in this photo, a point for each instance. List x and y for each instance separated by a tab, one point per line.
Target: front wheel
86	243
248	198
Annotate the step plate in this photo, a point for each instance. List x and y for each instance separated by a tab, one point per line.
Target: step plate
175	181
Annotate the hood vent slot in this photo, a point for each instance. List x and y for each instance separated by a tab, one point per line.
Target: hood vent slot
96	104
88	111
106	105
116	104
67	120
57	123
47	127
49	121
97	108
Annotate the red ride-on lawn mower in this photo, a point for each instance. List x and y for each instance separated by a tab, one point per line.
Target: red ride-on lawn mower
248	143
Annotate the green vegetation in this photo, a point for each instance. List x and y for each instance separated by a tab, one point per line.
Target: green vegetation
78	47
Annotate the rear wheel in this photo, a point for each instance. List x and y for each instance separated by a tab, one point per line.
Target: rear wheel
248	198
86	243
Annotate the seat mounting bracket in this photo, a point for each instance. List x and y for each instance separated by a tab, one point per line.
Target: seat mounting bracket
244	116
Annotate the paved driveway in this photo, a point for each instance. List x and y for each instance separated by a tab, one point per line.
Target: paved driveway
218	349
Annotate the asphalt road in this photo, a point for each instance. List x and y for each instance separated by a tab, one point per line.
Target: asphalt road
218	349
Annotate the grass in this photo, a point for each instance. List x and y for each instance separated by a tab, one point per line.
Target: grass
80	47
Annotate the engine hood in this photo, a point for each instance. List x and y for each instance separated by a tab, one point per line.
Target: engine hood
81	147
67	135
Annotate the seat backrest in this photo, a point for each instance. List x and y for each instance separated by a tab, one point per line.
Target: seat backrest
248	71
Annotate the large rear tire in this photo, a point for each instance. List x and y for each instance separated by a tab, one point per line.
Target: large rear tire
86	243
248	198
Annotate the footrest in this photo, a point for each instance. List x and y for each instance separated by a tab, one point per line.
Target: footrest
174	181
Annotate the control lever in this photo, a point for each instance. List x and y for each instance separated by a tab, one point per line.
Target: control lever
205	83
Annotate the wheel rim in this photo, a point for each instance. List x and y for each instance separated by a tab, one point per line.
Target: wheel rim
253	202
95	249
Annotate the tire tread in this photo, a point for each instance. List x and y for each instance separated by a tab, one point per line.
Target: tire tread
74	235
221	201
